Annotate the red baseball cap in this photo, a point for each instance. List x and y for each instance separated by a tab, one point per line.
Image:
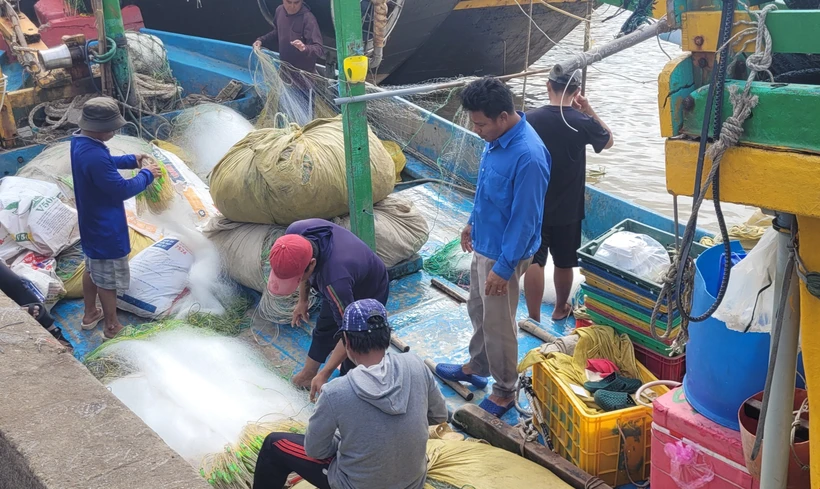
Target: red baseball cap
289	258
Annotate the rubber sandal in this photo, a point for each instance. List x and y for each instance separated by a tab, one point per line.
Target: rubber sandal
614	382
93	324
453	373
45	318
494	408
613	401
57	333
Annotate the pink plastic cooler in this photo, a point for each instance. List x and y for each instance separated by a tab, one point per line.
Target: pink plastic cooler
675	420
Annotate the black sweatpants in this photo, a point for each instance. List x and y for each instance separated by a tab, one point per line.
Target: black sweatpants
13	286
283	453
324	337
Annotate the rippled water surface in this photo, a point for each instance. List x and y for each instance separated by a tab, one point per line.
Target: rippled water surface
623	90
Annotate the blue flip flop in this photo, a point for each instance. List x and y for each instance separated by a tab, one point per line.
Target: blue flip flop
494	408
453	373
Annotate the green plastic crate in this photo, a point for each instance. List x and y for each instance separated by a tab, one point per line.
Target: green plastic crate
587	252
660	324
636	337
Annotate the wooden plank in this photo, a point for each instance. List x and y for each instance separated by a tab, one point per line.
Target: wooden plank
785	116
398	343
455	293
793	31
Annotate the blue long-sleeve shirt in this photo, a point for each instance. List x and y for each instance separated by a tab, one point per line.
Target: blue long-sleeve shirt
100	191
509	201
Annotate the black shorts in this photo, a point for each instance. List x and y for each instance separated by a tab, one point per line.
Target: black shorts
562	242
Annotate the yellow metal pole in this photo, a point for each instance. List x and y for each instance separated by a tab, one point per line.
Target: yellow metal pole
810	340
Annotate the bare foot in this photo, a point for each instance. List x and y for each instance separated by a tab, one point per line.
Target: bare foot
501	401
303	379
561	313
468	371
112	330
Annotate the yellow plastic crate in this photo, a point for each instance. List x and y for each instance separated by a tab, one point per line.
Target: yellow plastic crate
593	442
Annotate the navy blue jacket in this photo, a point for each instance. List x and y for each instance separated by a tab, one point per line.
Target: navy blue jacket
100	191
347	270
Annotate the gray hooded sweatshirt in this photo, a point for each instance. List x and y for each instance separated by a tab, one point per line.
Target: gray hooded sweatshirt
375	421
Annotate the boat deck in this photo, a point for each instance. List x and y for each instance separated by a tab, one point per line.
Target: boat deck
434	325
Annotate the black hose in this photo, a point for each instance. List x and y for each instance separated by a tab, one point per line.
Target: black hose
714	98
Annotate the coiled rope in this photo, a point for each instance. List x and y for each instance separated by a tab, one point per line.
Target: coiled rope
680	276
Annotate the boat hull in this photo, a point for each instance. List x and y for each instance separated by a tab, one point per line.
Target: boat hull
431	39
487	41
242	23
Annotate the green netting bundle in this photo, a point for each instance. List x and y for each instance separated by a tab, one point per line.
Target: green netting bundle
450	263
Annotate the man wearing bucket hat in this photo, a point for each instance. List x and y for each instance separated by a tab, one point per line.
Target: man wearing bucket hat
318	254
566	126
370	427
100	191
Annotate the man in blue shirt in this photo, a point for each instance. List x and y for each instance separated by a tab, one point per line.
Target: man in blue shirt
100	191
504	232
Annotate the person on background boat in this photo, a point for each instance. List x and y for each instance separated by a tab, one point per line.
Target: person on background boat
342	269
298	35
503	233
566	126
370	427
100	191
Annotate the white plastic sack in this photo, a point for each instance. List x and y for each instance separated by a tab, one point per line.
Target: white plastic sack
40	271
31	211
749	301
158	277
636	253
401	230
8	247
147	54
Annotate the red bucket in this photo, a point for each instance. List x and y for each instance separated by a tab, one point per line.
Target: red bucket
798	478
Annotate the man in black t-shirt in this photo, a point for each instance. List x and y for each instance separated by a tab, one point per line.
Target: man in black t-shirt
566	126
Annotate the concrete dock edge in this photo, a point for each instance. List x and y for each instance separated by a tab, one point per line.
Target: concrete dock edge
61	429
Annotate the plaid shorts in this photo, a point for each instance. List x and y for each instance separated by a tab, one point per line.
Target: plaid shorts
109	274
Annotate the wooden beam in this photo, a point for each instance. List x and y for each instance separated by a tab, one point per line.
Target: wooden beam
771	178
483	425
793	31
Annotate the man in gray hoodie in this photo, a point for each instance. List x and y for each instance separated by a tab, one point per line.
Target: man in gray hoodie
370	427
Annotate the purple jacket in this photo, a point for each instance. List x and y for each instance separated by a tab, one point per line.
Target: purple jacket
347	270
300	26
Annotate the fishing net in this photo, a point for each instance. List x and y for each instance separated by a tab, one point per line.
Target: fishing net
199	390
450	262
293	96
206	133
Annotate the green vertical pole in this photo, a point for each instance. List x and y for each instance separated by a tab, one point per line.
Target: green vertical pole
348	20
120	66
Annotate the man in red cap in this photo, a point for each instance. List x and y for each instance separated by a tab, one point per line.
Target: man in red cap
342	269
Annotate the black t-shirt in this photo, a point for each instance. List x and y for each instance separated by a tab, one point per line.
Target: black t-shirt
564	202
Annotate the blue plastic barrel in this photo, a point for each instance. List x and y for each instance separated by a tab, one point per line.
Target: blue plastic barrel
723	367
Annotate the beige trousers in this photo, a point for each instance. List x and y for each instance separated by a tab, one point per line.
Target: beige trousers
494	346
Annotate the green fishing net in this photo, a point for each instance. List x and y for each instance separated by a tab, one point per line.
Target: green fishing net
451	263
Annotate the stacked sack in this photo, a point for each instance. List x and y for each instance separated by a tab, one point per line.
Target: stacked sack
274	177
